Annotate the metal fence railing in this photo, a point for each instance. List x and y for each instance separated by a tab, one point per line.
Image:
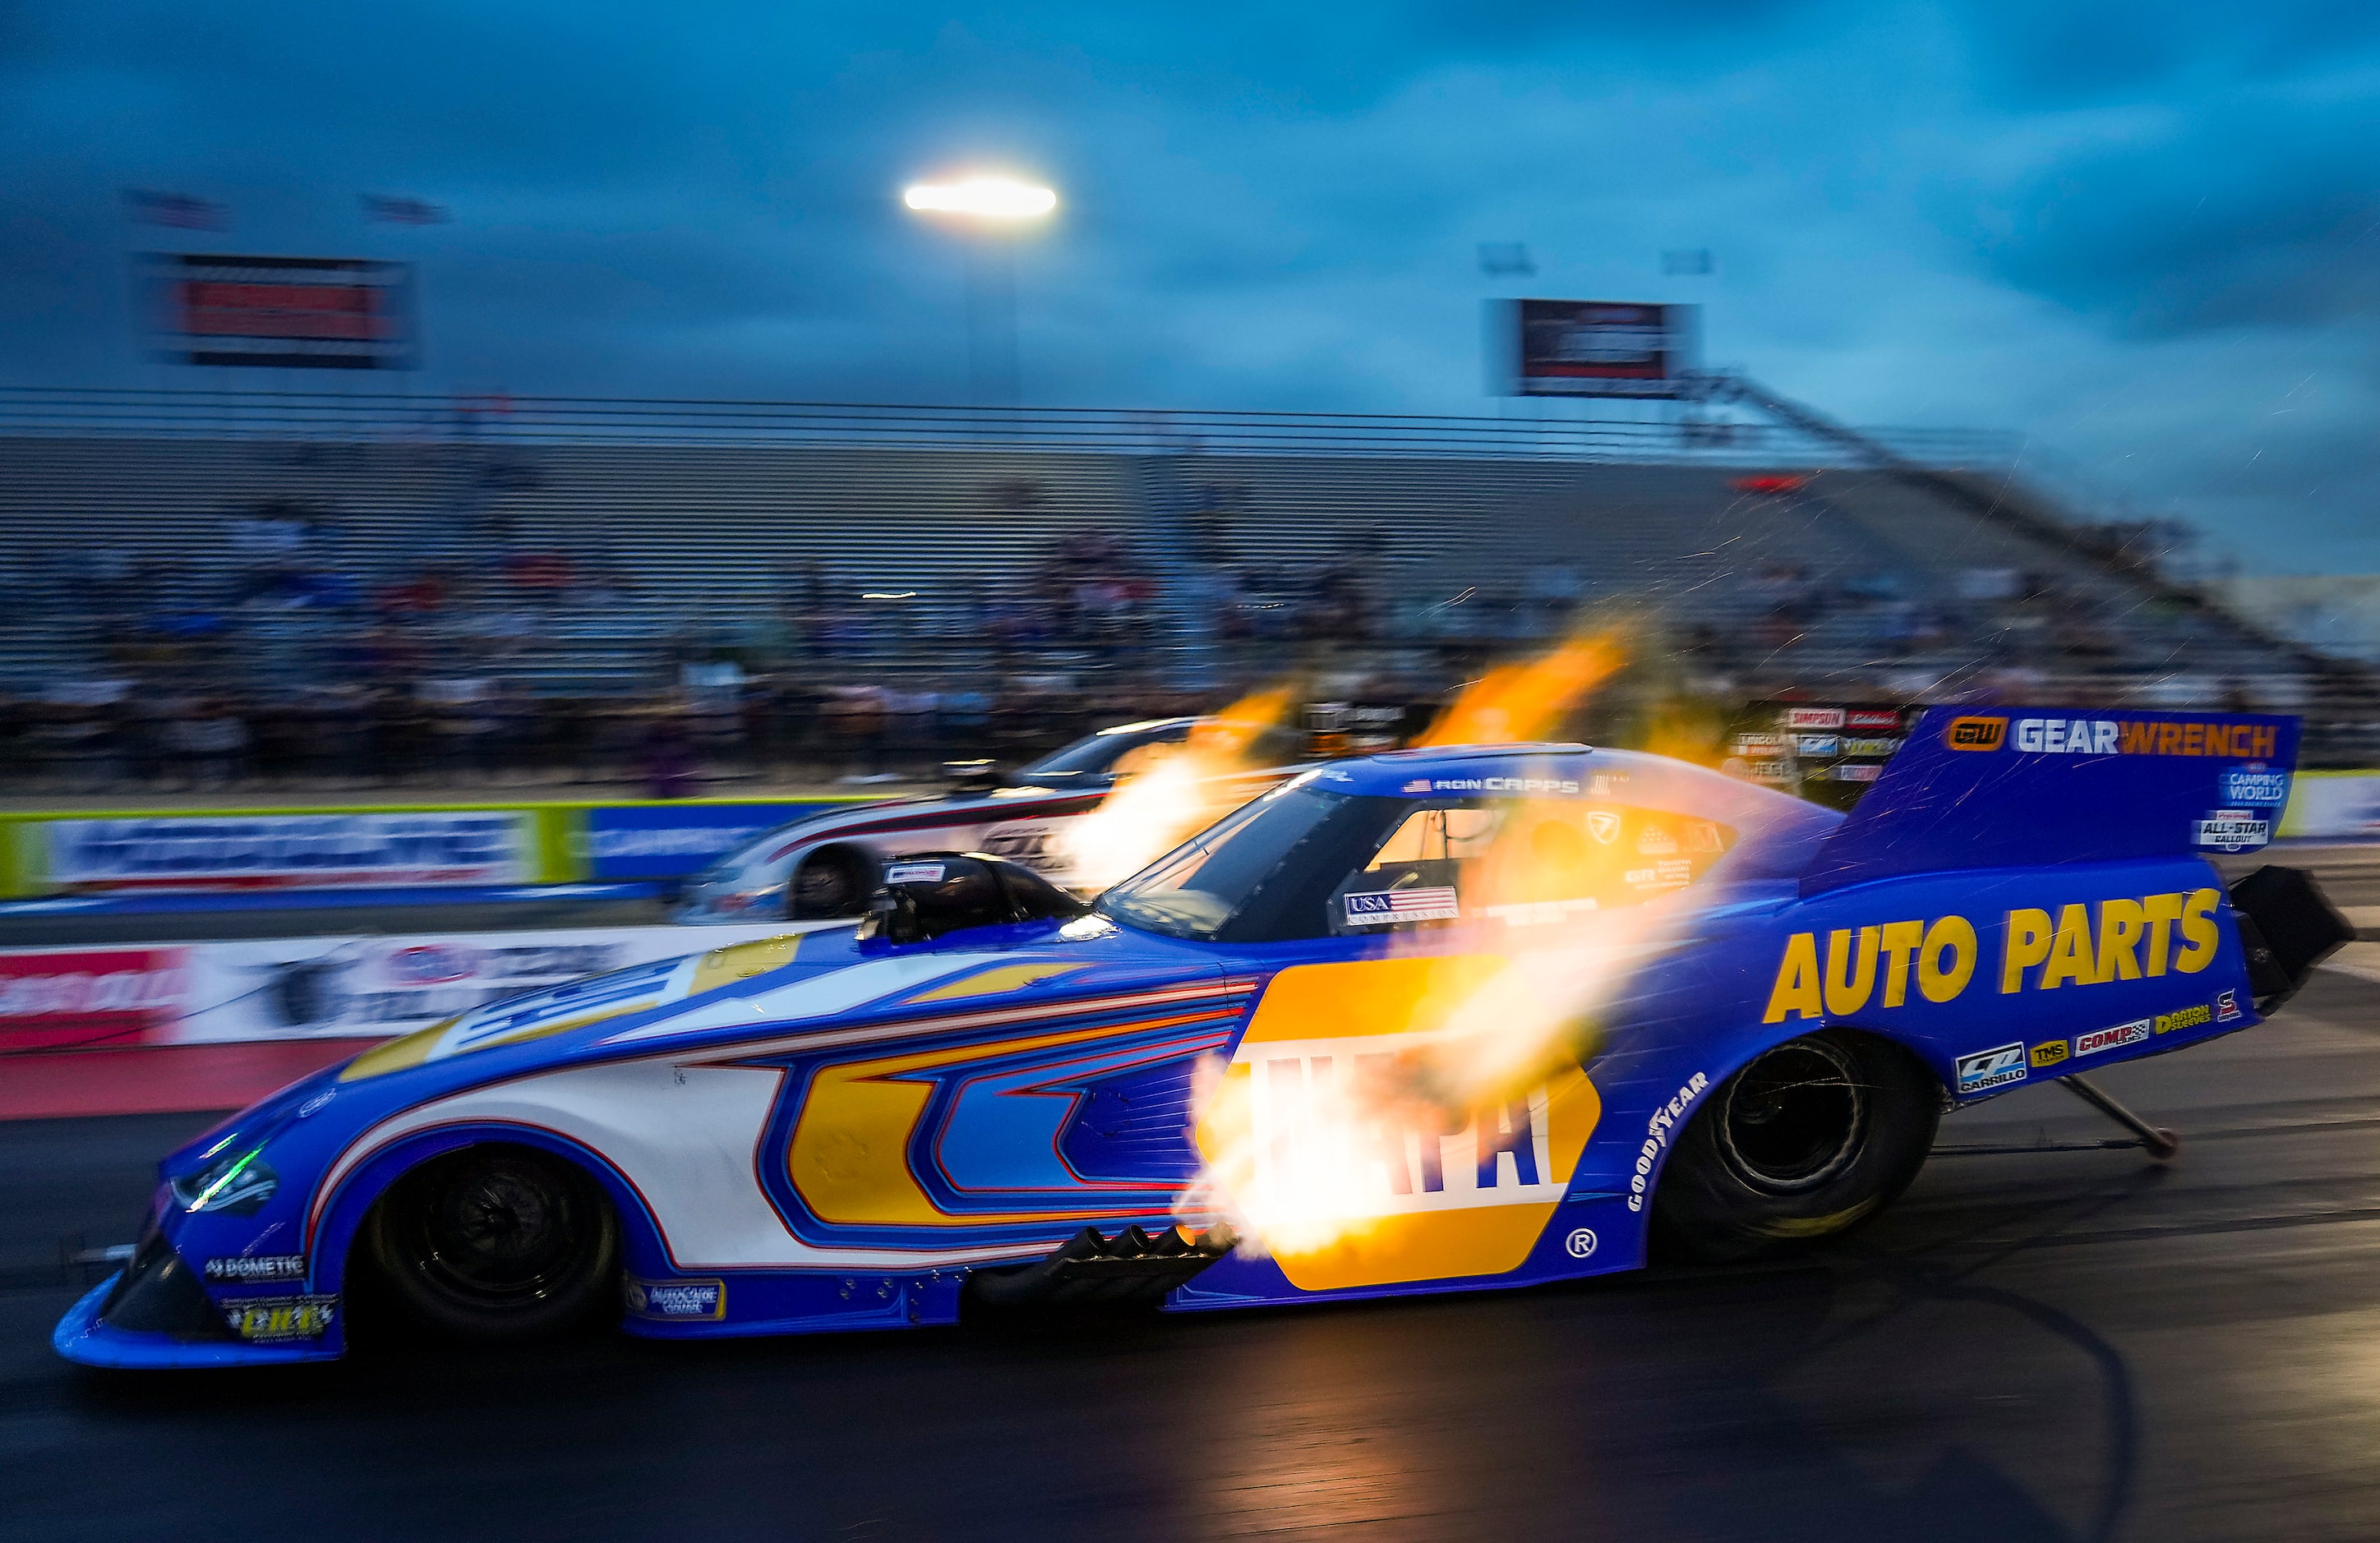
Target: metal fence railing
369	417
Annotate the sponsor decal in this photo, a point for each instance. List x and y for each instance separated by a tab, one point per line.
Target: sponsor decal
2232	831
2049	1053
1657	1132
2154	736
2111	1039
1704	836
1669	873
2066	736
2132	736
245	1268
1655	841
1759	745
1818	744
1861	773
1580	1244
1995	1067
1386	908
1877	748
2186	1017
677	1300
1539	913
84	995
2226	1007
1026	842
1504	784
1603	825
1412	1157
270	1320
1975	732
2255	785
1814	718
1873	720
432	964
2124	938
915	873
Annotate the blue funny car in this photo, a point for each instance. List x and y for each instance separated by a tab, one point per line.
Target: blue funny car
1426	1021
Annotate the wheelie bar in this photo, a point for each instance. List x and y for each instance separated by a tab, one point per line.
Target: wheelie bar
2160	1143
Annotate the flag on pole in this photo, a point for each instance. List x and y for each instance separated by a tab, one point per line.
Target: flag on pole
403	211
178	210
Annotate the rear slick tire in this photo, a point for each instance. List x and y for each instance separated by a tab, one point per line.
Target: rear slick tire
497	1243
1810	1140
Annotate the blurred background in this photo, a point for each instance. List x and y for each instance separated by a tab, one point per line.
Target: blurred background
469	471
555	401
453	401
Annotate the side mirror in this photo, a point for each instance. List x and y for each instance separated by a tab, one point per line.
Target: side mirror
928	895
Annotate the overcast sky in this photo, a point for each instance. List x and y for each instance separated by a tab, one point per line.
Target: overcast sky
2143	235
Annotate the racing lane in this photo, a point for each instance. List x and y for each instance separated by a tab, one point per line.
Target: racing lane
2057	1345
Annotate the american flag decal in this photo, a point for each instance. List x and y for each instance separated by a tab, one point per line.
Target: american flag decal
1387	906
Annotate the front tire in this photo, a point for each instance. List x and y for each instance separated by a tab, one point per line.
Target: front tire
497	1243
1810	1140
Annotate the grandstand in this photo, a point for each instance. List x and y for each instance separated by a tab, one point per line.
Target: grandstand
1919	568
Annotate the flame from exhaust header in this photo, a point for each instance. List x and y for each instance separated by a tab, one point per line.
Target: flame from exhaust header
1519	702
1157	809
1487	1033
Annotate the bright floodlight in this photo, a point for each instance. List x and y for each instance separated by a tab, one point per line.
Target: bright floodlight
986	198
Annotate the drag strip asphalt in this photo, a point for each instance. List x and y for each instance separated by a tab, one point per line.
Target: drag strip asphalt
2054	1345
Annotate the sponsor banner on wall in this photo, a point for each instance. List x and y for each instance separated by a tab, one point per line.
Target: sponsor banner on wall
669	841
364	850
2332	805
305	987
77	996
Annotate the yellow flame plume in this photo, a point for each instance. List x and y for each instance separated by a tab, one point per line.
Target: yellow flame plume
1515	702
1170	793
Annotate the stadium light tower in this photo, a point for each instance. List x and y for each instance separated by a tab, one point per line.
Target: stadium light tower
991	211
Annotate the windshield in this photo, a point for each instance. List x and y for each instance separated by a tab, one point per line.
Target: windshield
1102	752
1195	890
1301	863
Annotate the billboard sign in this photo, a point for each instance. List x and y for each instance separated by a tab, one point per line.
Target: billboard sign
280	312
1597	348
358	850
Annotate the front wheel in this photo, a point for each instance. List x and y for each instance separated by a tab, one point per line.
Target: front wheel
1809	1140
497	1243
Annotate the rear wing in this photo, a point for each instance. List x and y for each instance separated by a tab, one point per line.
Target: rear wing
2019	786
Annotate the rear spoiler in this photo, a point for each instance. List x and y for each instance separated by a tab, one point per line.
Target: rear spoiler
2020	786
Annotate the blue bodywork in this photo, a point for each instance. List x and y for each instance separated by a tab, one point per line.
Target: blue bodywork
831	1133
